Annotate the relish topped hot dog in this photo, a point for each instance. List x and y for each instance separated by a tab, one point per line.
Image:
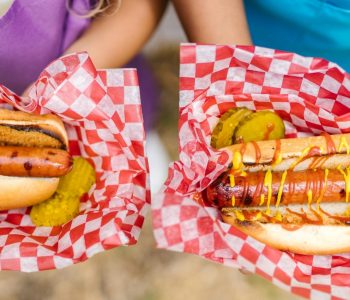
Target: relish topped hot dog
292	194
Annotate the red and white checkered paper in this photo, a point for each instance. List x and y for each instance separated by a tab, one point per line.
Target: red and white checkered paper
103	117
310	94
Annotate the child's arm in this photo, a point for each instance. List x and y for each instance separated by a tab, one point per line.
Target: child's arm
112	40
215	22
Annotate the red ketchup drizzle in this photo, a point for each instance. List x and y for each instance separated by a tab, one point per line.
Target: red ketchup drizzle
291	227
315	181
342	219
318	216
277	151
322	186
242	150
314	151
314	187
257	152
291	187
314	162
245	190
322	161
307	184
330	144
269	128
249	215
259	185
317	162
304	217
270	219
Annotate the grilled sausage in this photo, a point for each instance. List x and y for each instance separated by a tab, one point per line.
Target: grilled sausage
34	162
297	188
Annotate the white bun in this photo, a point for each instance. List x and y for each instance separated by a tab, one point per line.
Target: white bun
290	152
47	122
16	192
303	239
331	161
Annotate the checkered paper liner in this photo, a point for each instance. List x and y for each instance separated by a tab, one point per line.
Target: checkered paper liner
102	114
310	94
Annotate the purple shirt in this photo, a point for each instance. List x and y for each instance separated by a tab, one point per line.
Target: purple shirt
32	34
35	32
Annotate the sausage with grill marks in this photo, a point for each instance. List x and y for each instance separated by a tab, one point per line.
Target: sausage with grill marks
247	190
34	162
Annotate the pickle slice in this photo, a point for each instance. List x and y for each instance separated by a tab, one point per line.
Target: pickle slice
259	126
222	135
64	205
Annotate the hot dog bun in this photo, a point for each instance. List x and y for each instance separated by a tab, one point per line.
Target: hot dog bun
17	192
280	155
45	130
27	139
306	239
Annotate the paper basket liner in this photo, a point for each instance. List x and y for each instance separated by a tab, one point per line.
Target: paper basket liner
311	95
102	113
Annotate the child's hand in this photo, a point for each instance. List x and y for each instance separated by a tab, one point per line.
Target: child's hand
214	22
114	39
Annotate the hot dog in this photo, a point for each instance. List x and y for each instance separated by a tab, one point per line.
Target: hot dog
292	194
34	162
284	188
33	156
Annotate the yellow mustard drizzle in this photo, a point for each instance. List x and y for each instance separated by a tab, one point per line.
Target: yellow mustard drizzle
237	161
302	156
280	189
239	215
278	216
232	184
278	160
343	144
347	185
268	184
309	198
262	199
232	180
326	171
243	174
258	216
347	181
233	200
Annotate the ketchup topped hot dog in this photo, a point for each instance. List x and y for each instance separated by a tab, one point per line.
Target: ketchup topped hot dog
278	188
292	194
